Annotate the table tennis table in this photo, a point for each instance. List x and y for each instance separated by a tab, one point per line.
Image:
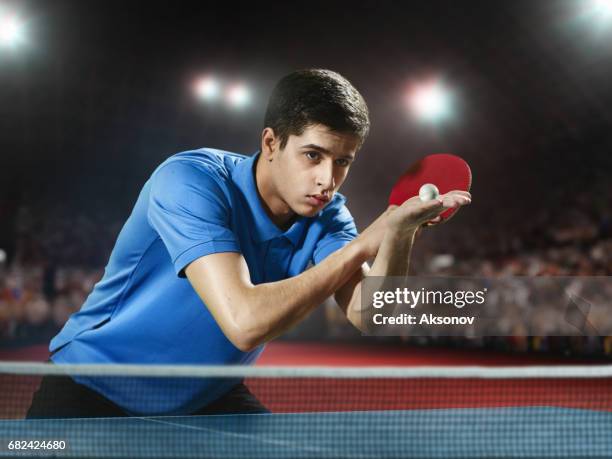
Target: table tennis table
520	432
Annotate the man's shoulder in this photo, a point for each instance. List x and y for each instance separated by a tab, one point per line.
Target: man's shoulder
337	202
218	164
335	211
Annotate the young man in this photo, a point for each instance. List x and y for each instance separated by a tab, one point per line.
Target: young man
211	264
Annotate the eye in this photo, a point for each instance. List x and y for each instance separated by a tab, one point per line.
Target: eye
343	162
313	155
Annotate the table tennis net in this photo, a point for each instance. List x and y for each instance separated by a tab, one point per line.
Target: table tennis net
422	412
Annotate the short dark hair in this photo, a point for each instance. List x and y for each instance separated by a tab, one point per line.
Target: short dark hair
316	96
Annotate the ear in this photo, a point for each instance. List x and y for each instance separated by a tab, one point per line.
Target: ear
269	144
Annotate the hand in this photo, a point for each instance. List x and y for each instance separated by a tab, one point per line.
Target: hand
452	199
415	213
406	219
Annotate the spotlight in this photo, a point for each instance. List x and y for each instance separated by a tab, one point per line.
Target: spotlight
603	7
238	96
430	101
207	88
11	31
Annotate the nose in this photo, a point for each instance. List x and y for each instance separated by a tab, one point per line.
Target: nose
325	175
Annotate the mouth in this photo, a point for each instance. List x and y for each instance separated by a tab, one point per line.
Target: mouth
317	200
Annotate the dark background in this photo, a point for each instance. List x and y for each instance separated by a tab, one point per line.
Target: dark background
103	94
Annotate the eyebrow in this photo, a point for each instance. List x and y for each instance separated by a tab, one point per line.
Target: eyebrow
313	146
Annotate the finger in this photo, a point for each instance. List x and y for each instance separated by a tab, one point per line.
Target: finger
456	196
433	214
467	194
460	198
432	208
421	207
455	201
433	204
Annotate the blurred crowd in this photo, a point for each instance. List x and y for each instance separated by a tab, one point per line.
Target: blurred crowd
57	258
35	302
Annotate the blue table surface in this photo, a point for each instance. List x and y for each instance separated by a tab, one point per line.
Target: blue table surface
527	432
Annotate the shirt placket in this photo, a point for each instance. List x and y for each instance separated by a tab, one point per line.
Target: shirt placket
277	260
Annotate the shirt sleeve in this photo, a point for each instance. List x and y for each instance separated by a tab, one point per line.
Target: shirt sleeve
190	212
339	230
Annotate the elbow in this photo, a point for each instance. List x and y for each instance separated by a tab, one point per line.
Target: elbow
245	327
245	336
244	342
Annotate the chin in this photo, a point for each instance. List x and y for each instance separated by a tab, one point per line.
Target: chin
305	211
311	212
308	211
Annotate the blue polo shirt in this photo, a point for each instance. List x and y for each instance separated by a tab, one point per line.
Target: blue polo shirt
144	310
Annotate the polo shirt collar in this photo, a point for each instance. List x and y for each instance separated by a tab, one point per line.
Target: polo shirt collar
264	228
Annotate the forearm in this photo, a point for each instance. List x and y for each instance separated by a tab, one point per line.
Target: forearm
393	259
275	307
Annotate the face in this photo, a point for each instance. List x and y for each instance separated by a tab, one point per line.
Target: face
310	169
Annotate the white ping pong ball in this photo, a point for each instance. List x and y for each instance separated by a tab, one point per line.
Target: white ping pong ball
428	192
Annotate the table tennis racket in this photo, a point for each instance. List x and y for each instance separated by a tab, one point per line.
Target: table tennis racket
448	172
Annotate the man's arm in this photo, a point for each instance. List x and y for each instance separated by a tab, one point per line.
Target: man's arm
393	259
250	315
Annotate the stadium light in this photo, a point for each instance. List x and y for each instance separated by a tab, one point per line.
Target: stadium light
208	89
238	96
594	15
11	30
430	101
602	7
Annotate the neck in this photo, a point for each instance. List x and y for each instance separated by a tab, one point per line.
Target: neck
278	210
